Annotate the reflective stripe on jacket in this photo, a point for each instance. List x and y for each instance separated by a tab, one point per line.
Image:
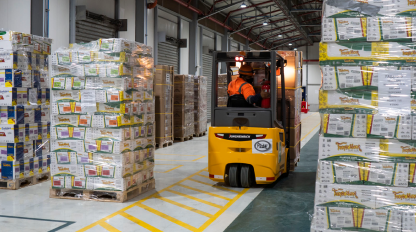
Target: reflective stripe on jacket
239	86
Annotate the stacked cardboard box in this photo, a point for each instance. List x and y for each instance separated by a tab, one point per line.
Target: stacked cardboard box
293	95
200	105
367	159
24	105
184	106
164	104
222	98
103	116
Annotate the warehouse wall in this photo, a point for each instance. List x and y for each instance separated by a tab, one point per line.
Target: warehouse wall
184	52
104	7
150	27
128	11
312	75
15	15
59	23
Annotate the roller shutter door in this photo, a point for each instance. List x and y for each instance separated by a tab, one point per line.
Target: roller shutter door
207	71
90	26
168	54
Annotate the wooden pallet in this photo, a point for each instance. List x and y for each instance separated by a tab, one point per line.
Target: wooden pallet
24	182
294	163
182	139
164	144
200	134
104	196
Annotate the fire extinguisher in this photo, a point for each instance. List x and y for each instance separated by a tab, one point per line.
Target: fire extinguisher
265	94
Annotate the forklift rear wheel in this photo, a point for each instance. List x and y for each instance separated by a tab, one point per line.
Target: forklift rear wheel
247	176
234	175
286	174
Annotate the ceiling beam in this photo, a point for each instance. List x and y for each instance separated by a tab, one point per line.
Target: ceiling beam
248	7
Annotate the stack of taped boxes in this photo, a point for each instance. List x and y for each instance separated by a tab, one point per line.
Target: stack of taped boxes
222	98
183	106
24	105
293	95
103	116
367	146
164	104
200	105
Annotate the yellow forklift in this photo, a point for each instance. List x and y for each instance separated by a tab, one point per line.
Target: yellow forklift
248	145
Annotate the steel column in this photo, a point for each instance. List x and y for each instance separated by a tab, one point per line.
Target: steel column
193	32
155	35
201	35
37	10
141	21
72	19
116	13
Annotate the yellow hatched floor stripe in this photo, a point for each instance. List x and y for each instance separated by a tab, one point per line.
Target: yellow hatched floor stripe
203	176
171	169
139	222
177	154
185	206
108	227
167	217
202	191
199	158
207	223
195	199
214	186
310	132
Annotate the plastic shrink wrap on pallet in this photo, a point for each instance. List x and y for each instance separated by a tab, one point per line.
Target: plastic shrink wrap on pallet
102	130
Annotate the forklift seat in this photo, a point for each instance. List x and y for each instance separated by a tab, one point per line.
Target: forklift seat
238	100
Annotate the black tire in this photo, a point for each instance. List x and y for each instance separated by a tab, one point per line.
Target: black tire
247	176
234	175
286	174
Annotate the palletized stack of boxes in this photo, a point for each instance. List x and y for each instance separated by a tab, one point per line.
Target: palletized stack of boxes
164	104
103	116
24	105
200	104
293	95
183	106
222	98
367	146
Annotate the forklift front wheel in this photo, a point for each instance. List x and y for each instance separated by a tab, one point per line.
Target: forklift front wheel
247	176
234	175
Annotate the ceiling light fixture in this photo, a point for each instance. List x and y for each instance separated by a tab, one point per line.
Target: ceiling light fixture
295	49
290	44
265	23
279	35
243	5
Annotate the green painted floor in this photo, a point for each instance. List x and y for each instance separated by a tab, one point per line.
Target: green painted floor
286	206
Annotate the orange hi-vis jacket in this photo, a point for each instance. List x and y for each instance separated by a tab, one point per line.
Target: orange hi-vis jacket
235	87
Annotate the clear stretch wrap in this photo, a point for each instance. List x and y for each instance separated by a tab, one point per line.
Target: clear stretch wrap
222	98
164	104
200	104
103	116
367	145
183	112
24	105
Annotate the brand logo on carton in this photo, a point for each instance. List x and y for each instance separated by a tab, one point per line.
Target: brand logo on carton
345	118
6	165
413	102
108	182
345	100
345	22
2	134
60	119
103	132
390	119
63	169
126	145
341	193
408	149
341	70
108	82
408	52
347	147
381	214
411	2
61	144
387	21
386	166
65	94
62	69
109	108
347	52
335	210
107	157
404	196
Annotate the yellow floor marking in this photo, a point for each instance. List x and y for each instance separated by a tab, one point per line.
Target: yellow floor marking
108	227
139	222
185	206
214	186
203	176
171	169
174	160
177	154
308	116
102	222
195	199
207	223
165	216
202	191
199	158
310	131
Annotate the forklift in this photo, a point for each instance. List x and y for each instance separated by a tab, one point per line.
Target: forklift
247	146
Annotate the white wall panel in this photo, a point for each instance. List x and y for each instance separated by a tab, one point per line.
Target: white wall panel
15	15
128	11
314	74
171	28
59	23
184	52
104	7
313	94
150	27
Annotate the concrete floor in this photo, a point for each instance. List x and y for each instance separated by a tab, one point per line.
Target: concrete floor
184	200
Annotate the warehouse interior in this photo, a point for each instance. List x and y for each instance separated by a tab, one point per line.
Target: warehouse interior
182	36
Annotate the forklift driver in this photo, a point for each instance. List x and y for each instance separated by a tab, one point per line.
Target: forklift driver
241	91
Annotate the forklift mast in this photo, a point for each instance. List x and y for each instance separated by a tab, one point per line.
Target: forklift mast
251	116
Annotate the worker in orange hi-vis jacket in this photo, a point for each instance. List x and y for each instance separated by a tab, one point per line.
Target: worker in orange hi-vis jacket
240	91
